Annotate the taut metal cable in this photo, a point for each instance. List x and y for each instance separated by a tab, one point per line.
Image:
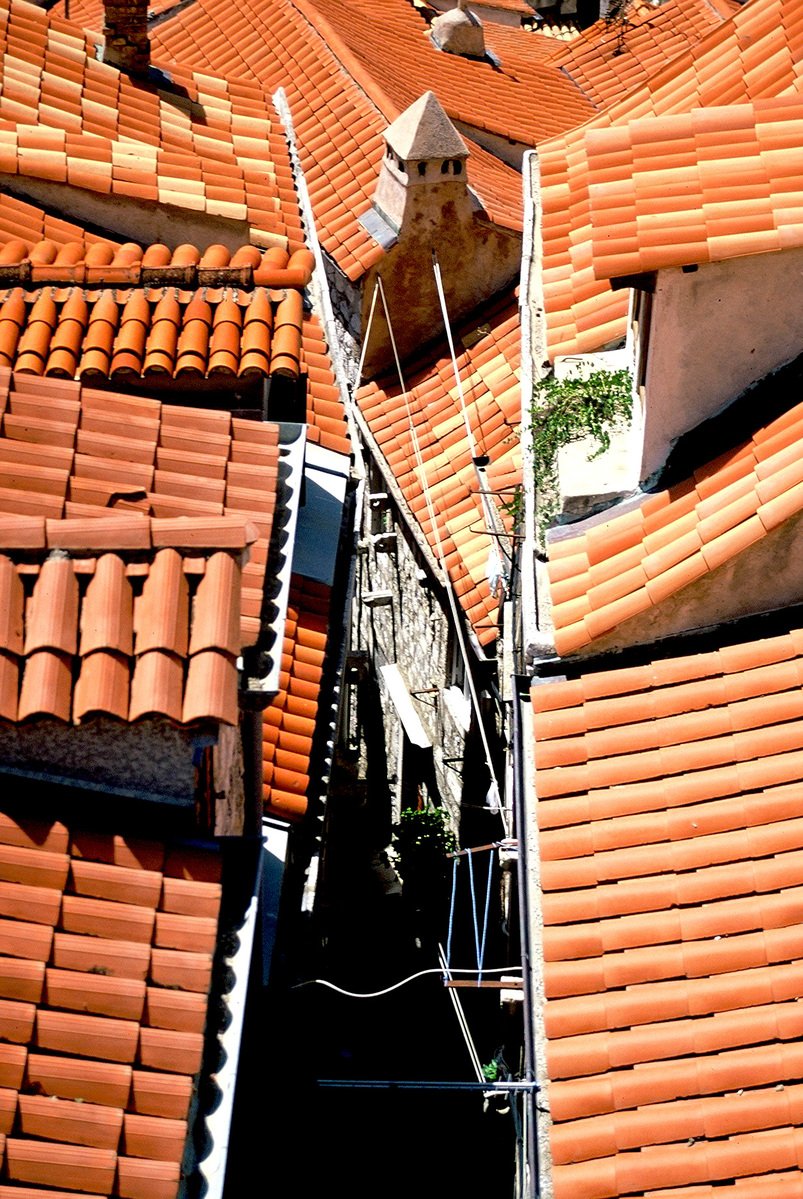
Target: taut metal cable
493	799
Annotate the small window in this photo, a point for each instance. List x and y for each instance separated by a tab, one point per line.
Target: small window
445	167
422	169
458	167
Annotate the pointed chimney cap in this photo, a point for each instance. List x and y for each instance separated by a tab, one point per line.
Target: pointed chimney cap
423	131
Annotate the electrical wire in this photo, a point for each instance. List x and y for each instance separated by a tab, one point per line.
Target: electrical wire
323	982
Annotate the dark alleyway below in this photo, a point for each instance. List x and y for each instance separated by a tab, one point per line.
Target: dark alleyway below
291	1136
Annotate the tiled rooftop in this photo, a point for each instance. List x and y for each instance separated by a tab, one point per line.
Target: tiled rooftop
630	562
489	372
210	313
97	330
120	624
670	838
69	451
756	54
209	146
523	99
339	113
709	185
338	130
606	61
105	971
288	723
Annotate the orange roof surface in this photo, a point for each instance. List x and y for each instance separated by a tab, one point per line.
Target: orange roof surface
339	132
106	332
226	330
489	372
326	416
628	563
606	62
210	146
702	187
523	99
671	871
756	54
68	451
288	723
126	626
106	948
338	128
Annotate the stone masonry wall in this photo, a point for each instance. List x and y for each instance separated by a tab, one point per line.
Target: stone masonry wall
412	631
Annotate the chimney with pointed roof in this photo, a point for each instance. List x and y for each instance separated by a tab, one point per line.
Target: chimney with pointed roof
423	205
424	165
125	29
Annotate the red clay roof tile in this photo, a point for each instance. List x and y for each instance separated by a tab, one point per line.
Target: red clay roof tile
752	56
446	451
706	944
676	537
91	1019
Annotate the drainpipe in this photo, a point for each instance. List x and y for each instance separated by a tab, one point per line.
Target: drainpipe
528	1187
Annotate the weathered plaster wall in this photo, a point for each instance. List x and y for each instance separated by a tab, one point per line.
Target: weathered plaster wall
151	758
765	577
485	12
714	332
477	261
510	151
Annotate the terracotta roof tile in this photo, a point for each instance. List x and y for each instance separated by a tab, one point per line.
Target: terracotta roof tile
91	1030
489	372
676	537
725	192
673	952
338	128
753	56
289	722
523	99
115	124
117	438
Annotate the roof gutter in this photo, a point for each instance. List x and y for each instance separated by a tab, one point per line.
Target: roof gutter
536	634
528	1168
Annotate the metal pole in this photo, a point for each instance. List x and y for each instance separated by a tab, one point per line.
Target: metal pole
417	1084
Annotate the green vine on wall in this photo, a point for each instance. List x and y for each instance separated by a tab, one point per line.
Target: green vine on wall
567	410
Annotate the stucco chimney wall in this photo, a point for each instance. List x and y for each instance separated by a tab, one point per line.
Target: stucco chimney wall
125	30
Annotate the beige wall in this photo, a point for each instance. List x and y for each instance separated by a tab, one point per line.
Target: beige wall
714	332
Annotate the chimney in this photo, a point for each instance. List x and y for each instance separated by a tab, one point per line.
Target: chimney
423	169
125	29
458	32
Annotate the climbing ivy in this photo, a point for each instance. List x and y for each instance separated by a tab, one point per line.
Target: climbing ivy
566	410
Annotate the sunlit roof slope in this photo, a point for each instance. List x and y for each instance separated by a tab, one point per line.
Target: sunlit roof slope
610	58
198	143
754	55
630	563
706	186
489	368
521	98
671	870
